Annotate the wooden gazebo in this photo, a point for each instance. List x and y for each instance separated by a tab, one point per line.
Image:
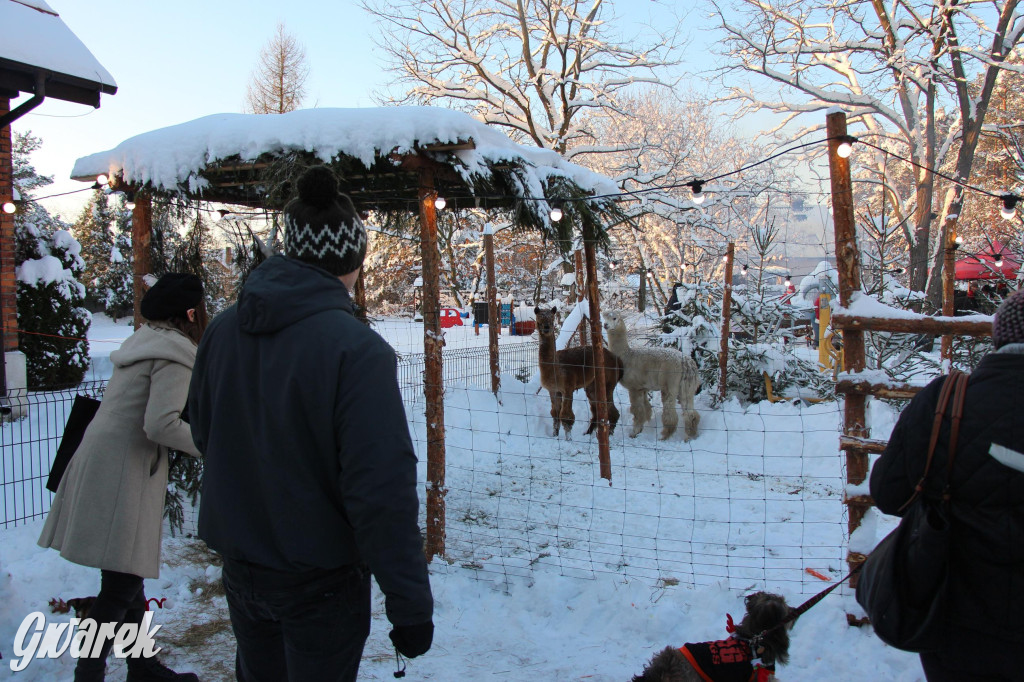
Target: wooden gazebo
395	161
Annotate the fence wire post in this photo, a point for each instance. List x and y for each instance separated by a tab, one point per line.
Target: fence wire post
848	265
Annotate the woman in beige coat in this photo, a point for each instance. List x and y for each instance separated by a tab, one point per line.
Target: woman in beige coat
108	510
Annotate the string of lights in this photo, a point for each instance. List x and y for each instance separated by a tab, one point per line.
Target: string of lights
696	186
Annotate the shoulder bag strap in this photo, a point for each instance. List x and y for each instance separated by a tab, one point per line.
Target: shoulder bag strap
954	429
940	410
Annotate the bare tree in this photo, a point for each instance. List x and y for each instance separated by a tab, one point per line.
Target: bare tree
554	74
277	84
904	71
530	66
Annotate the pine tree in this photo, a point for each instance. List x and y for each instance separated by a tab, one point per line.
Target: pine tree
118	282
94	231
51	317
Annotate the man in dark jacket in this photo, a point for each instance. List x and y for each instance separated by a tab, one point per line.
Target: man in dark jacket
986	583
310	475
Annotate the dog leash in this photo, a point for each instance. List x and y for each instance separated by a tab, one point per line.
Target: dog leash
803	608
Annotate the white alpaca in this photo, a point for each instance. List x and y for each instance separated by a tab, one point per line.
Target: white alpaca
654	369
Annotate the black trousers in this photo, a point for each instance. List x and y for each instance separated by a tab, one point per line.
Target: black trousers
974	657
121	600
297	626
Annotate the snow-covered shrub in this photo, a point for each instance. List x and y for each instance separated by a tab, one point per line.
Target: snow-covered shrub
696	328
51	316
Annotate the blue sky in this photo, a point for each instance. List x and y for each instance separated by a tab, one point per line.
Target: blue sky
177	61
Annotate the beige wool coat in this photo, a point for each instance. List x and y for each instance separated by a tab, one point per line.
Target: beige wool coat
108	510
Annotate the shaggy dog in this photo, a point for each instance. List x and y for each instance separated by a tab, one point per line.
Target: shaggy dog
81	605
655	369
758	642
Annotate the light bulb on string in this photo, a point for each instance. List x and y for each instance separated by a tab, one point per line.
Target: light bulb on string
789	281
9	207
998	261
845	147
440	202
744	269
556	211
696	192
1009	209
102	179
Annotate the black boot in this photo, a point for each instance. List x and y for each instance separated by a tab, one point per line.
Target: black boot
152	670
90	673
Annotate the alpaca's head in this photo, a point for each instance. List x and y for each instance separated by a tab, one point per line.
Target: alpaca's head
547	320
614	320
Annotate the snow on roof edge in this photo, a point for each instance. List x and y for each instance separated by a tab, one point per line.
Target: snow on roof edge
171	157
43	40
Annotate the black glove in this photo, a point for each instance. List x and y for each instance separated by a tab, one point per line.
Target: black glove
413	640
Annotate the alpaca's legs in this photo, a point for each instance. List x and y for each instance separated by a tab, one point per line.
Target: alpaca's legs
613	412
556	407
566	415
669	416
591	391
640	408
691	418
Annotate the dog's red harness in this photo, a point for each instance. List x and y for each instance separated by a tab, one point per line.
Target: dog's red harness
727	660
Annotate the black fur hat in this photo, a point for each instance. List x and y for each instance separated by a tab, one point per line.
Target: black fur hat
1008	327
321	225
171	296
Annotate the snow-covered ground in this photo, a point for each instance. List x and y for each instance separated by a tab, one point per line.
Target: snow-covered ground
551	572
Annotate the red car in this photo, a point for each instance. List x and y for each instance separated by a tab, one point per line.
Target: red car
450	317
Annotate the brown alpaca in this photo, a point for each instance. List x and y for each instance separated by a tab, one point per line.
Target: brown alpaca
564	371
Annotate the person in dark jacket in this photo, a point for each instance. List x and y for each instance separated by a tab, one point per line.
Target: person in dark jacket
986	582
309	483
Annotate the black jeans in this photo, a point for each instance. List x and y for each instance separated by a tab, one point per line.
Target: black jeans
297	626
121	600
974	657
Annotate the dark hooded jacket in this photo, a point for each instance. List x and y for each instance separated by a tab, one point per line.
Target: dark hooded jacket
308	460
987	497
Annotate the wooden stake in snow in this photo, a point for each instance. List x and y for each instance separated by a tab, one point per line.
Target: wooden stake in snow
848	264
493	318
723	354
142	221
433	342
597	343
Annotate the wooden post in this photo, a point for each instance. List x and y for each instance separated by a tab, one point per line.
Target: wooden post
8	280
142	232
723	354
824	317
581	293
848	264
597	343
359	296
433	342
948	275
493	318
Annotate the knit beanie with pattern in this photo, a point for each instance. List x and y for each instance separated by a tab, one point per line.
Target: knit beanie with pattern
321	225
1008	326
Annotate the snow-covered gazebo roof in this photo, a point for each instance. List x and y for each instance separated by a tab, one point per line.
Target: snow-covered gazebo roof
251	160
37	44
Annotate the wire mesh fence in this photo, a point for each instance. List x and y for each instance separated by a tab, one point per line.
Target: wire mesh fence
28	442
467	367
754	499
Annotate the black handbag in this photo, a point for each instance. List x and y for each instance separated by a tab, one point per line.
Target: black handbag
902	585
82	412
